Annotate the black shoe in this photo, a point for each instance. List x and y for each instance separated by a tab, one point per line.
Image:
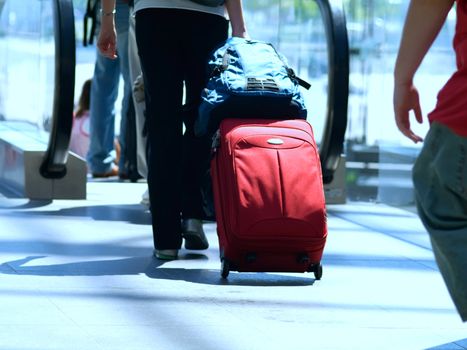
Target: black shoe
193	233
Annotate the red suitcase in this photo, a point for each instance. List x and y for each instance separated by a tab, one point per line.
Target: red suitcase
268	196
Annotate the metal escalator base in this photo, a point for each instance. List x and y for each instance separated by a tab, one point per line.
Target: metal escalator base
22	149
335	191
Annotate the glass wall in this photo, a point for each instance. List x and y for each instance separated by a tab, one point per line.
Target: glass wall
27	61
378	158
297	31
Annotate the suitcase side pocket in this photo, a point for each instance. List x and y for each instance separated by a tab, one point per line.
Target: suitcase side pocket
278	188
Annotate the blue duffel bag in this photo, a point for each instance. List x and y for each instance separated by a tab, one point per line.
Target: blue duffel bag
249	79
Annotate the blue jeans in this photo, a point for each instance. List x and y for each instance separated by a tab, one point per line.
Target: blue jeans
104	93
440	179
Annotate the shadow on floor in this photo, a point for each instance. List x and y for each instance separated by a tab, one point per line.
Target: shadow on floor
152	268
24	204
132	213
46	248
455	345
9	191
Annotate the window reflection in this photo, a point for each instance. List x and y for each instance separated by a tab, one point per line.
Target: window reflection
379	158
27	61
297	31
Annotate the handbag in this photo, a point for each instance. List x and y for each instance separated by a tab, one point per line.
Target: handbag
211	3
90	14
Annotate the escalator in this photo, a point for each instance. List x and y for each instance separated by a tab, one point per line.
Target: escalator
332	142
312	35
55	158
325	48
37	76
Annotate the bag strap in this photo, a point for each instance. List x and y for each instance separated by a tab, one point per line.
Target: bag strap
90	14
300	81
290	71
219	68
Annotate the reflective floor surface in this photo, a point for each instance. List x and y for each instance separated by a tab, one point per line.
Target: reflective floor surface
79	275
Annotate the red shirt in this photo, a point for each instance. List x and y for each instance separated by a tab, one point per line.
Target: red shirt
451	108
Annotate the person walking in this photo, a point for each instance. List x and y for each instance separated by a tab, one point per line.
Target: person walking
175	39
136	78
440	171
104	93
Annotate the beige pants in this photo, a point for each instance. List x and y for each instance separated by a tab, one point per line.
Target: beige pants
136	78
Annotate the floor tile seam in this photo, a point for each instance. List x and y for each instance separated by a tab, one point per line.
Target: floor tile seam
390	263
61	311
386	209
241	320
44	295
219	300
433	328
392	258
7	264
382	232
439	332
419	262
76	324
459	345
421	310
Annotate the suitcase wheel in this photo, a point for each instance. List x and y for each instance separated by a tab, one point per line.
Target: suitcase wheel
317	270
225	268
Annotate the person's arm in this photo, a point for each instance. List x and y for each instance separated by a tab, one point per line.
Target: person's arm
422	24
107	40
235	11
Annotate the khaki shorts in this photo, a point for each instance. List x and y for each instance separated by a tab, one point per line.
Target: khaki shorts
440	180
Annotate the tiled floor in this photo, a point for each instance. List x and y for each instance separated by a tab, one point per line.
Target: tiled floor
79	275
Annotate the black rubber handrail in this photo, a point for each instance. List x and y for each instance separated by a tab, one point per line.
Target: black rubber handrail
332	142
54	163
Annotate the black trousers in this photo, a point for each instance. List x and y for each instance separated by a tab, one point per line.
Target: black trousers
174	47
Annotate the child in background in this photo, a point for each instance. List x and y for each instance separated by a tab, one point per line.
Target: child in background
79	141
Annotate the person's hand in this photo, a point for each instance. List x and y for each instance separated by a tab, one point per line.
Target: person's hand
406	99
107	40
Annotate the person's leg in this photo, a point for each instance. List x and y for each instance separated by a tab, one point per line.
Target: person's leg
440	180
138	99
104	91
122	28
160	57
203	33
206	32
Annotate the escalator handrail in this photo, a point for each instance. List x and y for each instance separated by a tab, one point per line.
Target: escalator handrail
54	162
332	143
